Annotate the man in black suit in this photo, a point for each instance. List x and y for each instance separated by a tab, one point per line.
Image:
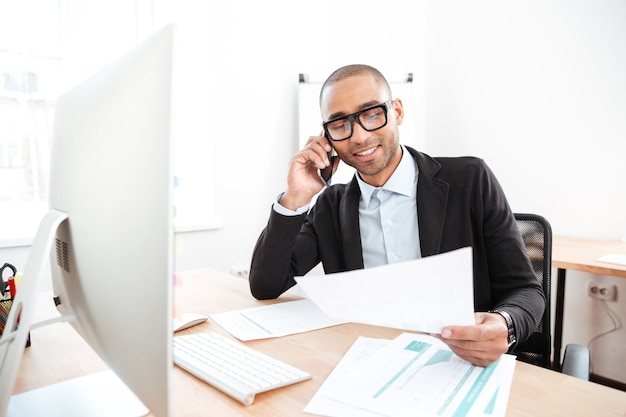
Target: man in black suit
402	204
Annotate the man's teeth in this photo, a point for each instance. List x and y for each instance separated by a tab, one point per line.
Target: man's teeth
367	152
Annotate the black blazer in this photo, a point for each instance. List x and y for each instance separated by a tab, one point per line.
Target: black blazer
459	203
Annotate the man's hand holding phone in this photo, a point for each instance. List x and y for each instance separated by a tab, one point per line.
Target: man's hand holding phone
304	179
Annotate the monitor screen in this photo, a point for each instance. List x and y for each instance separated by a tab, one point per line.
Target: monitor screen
111	242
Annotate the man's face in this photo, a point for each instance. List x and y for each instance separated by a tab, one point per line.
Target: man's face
376	154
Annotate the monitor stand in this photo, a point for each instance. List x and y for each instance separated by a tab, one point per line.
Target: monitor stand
97	394
20	317
101	394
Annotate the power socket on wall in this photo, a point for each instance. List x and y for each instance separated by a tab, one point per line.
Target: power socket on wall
600	291
240	271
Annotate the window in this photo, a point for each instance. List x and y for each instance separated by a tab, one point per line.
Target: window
30	78
45	48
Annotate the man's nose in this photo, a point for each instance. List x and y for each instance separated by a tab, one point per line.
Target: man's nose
359	134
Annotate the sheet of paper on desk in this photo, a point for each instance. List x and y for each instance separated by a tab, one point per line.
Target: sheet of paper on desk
413	375
325	402
422	295
274	320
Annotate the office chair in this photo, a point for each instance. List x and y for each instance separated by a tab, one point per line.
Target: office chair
537	349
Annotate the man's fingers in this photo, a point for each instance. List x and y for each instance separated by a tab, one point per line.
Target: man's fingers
316	151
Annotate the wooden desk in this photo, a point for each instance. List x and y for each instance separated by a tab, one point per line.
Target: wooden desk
579	255
58	354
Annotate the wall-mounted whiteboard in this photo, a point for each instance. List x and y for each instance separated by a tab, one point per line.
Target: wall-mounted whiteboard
310	119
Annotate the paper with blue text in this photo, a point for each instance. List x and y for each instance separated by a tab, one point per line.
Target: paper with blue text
412	375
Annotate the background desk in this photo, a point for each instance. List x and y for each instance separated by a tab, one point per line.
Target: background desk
58	354
579	255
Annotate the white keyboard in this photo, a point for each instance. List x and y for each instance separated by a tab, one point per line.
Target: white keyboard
232	367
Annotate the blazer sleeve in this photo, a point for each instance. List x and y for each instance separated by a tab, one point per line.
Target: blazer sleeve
291	246
514	286
474	211
270	273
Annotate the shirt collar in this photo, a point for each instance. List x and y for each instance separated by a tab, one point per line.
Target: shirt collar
402	181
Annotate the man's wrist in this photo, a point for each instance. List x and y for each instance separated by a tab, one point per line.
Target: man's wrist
281	209
511	339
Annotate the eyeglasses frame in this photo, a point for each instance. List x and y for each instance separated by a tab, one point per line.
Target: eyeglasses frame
356	116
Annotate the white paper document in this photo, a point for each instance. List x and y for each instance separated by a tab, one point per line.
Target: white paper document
614	258
413	375
422	295
274	320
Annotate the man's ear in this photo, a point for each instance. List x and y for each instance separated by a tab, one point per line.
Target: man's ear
399	109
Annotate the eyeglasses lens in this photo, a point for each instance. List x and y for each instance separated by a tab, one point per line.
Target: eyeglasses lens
370	119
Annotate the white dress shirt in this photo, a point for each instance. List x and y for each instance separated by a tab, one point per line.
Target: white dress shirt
387	216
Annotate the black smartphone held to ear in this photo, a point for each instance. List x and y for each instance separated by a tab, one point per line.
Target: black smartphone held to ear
326	174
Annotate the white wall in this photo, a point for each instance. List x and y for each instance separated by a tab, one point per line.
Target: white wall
536	88
255	51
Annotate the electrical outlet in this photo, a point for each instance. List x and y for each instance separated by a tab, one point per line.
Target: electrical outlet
239	271
600	291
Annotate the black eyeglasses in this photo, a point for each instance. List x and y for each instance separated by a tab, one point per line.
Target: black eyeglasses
370	119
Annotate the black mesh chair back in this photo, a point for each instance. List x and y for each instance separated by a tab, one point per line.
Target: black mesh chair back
537	235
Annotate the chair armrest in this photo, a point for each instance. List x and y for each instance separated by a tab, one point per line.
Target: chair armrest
576	361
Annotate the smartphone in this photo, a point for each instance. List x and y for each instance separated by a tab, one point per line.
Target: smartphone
327	173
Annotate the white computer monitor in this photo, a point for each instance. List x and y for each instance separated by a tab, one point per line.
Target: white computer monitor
110	236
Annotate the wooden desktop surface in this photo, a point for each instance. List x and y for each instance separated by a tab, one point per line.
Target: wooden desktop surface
58	354
581	255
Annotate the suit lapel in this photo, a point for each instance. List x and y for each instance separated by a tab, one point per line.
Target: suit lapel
432	199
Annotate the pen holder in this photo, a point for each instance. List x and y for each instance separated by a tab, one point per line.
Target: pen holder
5	309
7	294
